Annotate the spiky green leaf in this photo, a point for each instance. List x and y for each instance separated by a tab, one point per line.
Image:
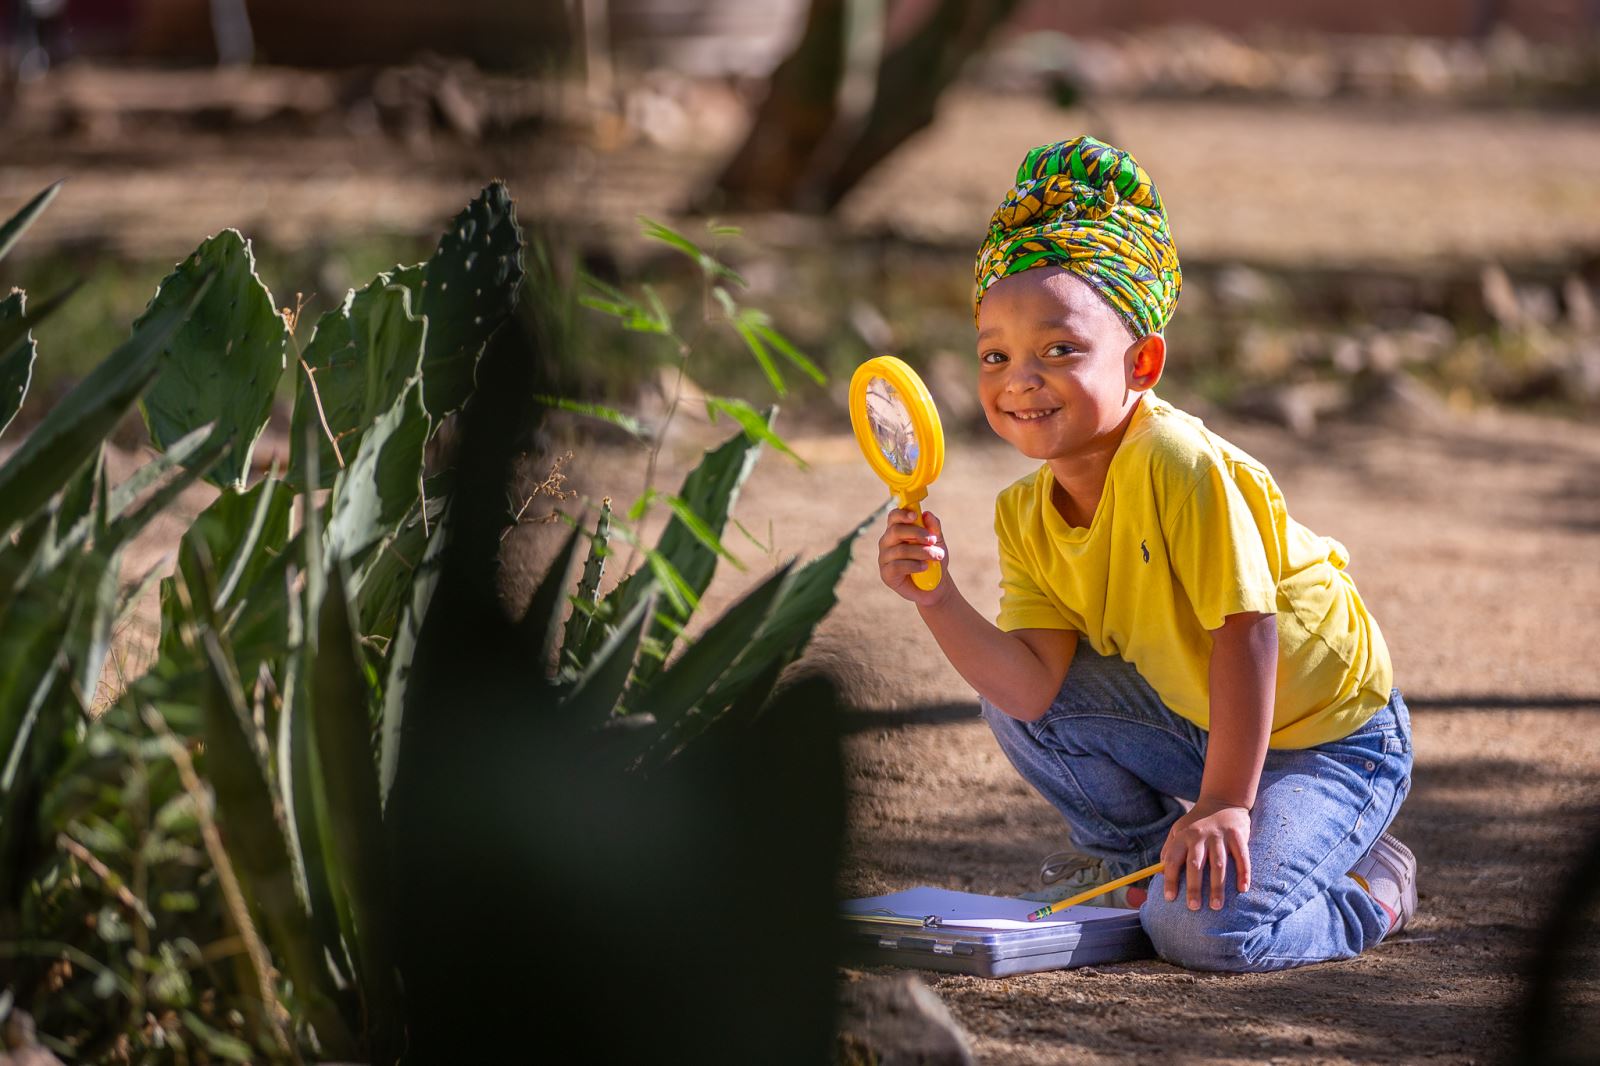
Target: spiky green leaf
373	495
16	366
352	813
696	672
74	428
17	224
595	696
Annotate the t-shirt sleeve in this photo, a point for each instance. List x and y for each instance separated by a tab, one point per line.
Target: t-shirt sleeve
1023	604
1217	552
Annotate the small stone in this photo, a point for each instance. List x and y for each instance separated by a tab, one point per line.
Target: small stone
899	1021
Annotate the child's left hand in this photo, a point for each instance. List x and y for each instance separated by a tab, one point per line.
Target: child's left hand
1207	835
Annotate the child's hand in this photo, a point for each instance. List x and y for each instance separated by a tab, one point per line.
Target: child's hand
907	548
1204	836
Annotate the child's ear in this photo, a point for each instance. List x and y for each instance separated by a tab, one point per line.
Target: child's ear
1146	360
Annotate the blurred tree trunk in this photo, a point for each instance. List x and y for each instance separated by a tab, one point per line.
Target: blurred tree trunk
800	108
801	153
910	81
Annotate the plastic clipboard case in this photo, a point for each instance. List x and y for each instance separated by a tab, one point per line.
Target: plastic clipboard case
1081	936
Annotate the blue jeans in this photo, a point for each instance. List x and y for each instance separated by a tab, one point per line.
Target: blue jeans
1111	757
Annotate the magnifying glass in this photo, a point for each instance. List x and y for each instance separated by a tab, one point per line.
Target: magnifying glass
898	430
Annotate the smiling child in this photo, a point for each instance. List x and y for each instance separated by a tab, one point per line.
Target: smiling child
1167	631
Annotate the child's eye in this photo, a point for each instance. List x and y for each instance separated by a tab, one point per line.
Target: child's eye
992	358
1060	350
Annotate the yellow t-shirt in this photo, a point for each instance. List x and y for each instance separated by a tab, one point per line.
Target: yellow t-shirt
1190	530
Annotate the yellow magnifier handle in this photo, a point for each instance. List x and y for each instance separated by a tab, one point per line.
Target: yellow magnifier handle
929	579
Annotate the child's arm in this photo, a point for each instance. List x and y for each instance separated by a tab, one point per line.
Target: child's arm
1019	672
1244	671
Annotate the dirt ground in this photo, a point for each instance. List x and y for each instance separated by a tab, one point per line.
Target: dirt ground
1473	540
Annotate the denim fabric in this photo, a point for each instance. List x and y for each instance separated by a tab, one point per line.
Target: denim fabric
1111	757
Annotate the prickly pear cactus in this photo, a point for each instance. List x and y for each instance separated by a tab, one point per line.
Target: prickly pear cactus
361	357
469	288
224	364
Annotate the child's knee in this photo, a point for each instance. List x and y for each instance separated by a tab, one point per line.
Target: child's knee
1226	940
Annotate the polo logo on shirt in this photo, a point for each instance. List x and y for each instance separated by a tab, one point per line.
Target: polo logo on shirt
1145	547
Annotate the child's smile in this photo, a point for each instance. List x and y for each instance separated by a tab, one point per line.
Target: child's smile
1058	371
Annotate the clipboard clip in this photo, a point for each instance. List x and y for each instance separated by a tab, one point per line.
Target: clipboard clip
883	914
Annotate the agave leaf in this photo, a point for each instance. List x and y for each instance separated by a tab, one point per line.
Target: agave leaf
259	539
588	594
362	356
594	698
804	600
20	556
32	717
373	495
94	610
78	497
14	226
33	757
224	364
251	599
111	533
258	844
197	462
157	466
470	287
300	778
352	809
402	653
710	491
383	580
540	626
742	705
129	598
74	428
16	359
677	688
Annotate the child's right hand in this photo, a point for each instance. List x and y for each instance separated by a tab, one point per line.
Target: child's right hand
907	548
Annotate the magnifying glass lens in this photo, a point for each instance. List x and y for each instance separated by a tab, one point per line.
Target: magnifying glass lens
891	425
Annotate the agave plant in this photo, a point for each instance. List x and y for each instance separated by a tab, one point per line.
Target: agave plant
216	849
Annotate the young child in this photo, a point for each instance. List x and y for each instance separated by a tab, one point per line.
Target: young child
1167	632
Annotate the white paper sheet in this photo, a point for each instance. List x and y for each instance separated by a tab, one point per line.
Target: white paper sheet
968	910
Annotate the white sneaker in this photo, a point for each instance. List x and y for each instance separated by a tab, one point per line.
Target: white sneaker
1389	874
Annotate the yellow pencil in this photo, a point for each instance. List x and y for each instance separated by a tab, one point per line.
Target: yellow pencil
1073	901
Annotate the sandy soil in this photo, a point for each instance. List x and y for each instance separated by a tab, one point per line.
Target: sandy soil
1473	540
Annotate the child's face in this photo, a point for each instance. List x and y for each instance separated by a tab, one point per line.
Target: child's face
1058	371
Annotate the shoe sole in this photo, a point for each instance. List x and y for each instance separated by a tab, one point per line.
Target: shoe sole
1408	885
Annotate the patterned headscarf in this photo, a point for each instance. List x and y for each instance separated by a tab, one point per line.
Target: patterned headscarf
1089	208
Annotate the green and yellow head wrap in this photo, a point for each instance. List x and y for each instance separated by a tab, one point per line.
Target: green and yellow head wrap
1089	208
